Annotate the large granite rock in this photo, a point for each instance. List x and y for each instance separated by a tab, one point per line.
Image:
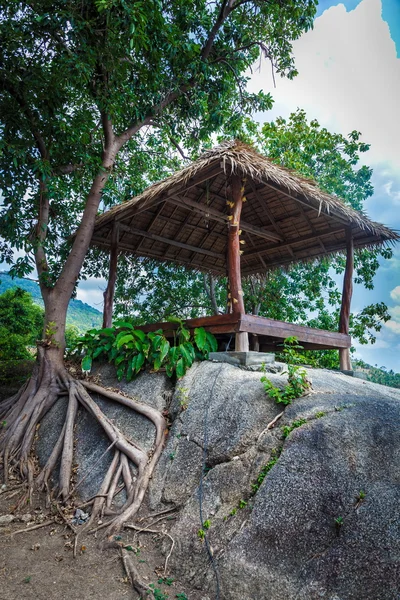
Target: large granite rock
324	522
287	542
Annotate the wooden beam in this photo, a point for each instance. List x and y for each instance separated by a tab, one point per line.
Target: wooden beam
344	319
329	214
280	330
123	247
112	277
216	215
164	240
299	240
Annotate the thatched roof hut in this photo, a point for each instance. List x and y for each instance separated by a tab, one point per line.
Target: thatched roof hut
234	212
286	218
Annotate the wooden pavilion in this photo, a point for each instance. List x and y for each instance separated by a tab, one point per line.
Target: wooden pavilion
235	213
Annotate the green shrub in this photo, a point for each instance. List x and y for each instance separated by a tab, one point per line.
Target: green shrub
131	350
21	324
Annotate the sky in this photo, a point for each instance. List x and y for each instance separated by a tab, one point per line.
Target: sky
349	78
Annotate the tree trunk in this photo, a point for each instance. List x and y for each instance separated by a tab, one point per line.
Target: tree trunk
209	286
112	278
235	292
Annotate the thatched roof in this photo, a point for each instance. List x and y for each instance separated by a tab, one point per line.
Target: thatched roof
286	219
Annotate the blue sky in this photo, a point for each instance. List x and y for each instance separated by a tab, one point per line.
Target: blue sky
349	78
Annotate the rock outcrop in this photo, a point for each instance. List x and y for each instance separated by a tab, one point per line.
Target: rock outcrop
324	519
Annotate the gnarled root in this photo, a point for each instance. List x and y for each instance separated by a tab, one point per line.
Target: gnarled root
23	413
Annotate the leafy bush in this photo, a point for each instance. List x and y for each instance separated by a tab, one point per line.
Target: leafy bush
21	324
131	350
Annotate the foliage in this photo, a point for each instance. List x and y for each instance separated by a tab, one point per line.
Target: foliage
131	350
153	290
72	334
158	594
287	429
80	315
21	324
297	376
378	374
148	76
166	580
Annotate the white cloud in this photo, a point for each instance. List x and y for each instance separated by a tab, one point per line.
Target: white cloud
395	294
393	326
395	195
349	78
91	292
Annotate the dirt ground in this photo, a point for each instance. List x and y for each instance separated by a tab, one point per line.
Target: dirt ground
39	564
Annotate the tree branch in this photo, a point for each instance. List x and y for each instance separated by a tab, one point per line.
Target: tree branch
227	7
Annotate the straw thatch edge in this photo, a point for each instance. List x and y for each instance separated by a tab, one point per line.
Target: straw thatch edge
237	157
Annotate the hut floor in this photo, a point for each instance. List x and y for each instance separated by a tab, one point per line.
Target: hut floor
265	334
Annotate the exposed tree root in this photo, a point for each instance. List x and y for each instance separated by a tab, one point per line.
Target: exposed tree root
39	526
131	467
147	530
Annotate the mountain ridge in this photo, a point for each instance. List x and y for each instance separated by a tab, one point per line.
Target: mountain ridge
81	315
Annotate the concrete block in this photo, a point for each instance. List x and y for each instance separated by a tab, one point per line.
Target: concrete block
243	359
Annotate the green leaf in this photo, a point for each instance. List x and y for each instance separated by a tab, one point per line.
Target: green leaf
186	355
86	364
98	351
173	319
200	337
123	324
211	339
164	348
155	341
169	369
119	359
139	334
140	361
185	334
180	368
124	340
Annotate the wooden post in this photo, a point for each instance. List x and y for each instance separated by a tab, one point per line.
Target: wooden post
235	293
112	277
344	353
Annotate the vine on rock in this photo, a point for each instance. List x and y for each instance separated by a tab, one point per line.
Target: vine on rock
298	384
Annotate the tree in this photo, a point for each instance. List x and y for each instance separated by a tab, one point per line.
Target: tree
93	95
21	324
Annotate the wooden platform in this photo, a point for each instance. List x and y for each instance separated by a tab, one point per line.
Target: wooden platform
269	333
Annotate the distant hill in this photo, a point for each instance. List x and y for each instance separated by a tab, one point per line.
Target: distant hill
378	375
80	314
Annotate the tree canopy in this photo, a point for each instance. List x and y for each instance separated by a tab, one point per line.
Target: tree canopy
116	87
